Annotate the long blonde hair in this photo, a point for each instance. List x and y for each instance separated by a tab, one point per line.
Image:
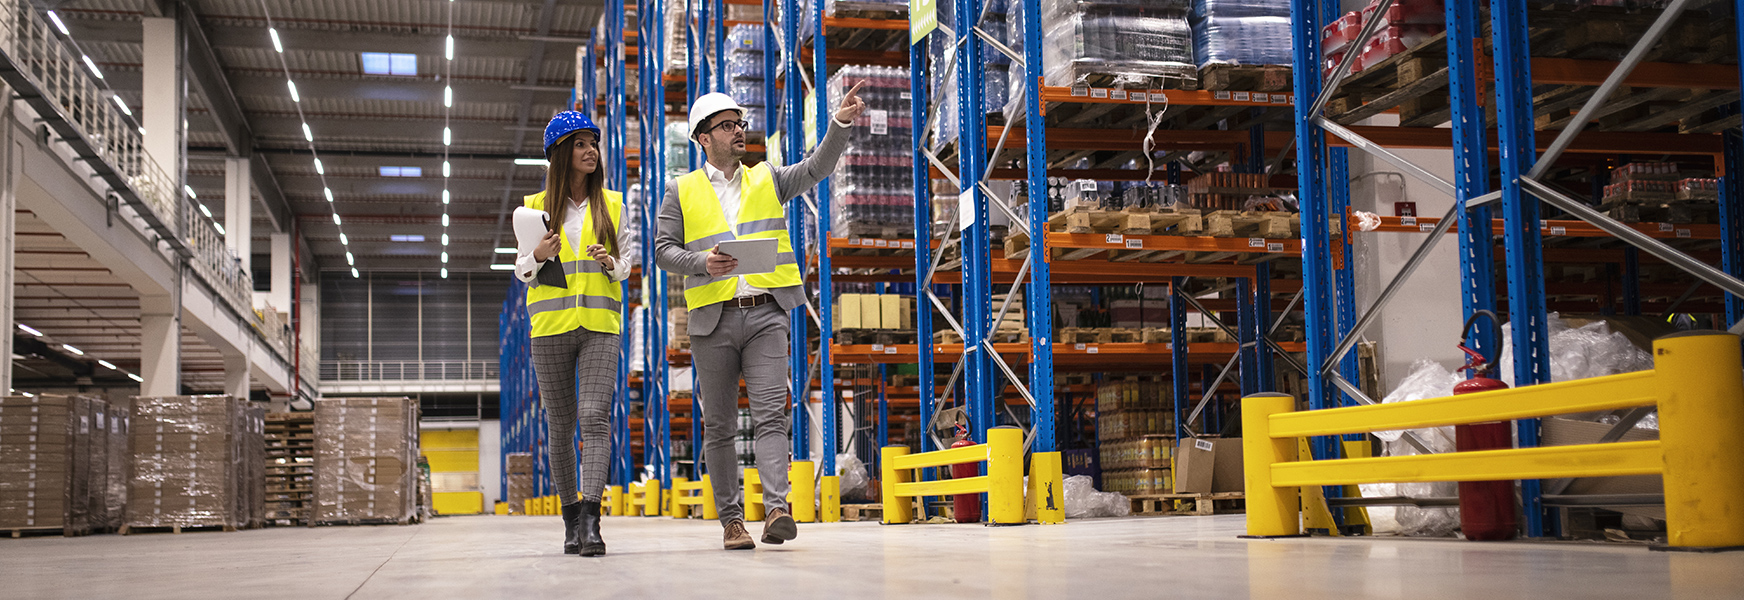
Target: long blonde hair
557	181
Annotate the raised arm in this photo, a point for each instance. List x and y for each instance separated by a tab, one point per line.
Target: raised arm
792	180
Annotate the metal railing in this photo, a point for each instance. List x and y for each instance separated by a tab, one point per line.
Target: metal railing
430	370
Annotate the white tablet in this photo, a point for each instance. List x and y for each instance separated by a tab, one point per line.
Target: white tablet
755	256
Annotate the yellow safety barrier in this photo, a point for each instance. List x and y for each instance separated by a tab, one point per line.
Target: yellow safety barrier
651	493
1047	495
612	504
830	499
1003	482
753	496
700	494
634	499
1695	383
801	478
501	508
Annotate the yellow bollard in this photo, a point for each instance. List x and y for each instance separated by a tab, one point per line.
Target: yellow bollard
709	511
1316	514
1046	481
753	496
651	498
1357	516
614	501
830	501
897	509
633	500
679	510
801	495
1700	420
1005	476
1271	511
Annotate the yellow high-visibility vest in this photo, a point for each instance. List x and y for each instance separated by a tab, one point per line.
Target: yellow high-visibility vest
760	216
592	299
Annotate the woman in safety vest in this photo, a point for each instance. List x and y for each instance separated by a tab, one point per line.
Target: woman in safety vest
575	326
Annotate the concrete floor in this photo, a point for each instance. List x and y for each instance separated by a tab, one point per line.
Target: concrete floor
518	557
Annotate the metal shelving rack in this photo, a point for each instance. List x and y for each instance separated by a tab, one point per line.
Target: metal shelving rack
1523	185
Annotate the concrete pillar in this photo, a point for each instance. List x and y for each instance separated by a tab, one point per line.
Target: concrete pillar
161	103
239	211
280	296
236	375
160	351
11	152
311	318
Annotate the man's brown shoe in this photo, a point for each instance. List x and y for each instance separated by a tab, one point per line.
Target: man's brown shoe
737	538
779	527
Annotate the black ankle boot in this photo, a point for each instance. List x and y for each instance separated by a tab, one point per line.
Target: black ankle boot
587	528
572	526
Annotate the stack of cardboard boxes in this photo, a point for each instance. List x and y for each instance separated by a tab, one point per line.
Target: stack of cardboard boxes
520	475
874	311
366	452
56	461
192	463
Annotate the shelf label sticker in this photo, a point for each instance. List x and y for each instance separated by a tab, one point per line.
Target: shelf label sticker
905	96
1080	90
1558	231
908	244
1256	242
1220	95
1683	233
1243	97
1275	247
1087	185
1203	445
1092	350
923	19
1140	97
1407	221
1135	244
1665	227
1261	97
1077	346
882	243
1425	228
880	121
1117	94
1113	238
890	350
1543	224
877	347
965	210
1280	99
1098	92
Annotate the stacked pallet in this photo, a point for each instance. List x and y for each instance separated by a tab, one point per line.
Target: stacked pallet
1135	423
190	466
56	459
366	456
250	444
290	468
873	319
1659	192
518	468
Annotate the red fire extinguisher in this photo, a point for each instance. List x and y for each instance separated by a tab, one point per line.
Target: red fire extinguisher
1486	508
966	506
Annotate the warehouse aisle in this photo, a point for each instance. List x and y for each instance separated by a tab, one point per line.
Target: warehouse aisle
512	557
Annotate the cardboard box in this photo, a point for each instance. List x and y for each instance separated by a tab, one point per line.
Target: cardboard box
898	311
871	313
1227	471
848	309
1556	431
366	452
1194	466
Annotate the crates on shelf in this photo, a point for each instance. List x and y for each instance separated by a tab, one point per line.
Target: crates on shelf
290	468
193	464
62	465
366	450
872	191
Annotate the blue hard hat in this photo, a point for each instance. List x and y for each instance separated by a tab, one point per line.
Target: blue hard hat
565	123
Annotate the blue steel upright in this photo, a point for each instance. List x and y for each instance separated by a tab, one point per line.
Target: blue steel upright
1039	302
719	48
1311	167
793	147
1731	203
653	168
830	428
918	103
1471	175
977	286
1178	372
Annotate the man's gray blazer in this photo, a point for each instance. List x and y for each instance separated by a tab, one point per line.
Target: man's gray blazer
790	181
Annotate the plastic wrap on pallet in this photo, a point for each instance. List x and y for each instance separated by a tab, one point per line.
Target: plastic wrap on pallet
45	463
185	466
874	186
1083	501
1240	8
116	424
1081	44
1242	40
857	7
677	59
365	453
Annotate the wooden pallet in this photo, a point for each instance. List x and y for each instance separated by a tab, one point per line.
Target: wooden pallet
1674	211
19	532
1253	224
999	337
1174	221
862	512
132	529
1188	504
361	522
875	336
1251	78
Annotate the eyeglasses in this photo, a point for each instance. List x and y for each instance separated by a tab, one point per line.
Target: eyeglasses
729	126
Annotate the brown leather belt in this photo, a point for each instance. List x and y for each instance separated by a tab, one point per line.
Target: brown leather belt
751	301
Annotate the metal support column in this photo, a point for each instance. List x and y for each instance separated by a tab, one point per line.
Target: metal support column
1316	237
1039	302
831	428
793	147
1477	263
1178	353
923	242
1247	323
977	287
1266	376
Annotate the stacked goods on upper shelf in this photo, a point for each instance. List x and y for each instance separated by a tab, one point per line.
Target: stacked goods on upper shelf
366	452
191	464
1407	24
1659	192
290	467
56	457
1241	32
745	75
519	475
1086	42
677	50
1244	205
864	8
872	191
1135	434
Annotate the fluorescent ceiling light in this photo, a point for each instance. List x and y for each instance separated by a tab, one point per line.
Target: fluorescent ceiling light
401	171
411	237
58	24
124	109
385	63
73	350
532	162
354	274
502	267
136	378
92	65
275	39
505	250
30	330
108	364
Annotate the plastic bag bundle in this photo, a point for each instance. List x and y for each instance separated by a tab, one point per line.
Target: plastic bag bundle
1428	379
1083	501
1592	350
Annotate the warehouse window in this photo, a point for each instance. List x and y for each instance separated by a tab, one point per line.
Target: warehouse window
402	171
384	63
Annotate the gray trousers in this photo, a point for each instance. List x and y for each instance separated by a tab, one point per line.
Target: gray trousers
753	344
559	361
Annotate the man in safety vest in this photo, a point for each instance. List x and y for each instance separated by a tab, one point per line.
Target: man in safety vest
739	323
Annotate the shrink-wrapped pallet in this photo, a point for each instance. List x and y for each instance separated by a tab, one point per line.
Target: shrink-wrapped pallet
366	453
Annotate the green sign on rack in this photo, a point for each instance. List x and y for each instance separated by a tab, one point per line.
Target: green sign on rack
923	18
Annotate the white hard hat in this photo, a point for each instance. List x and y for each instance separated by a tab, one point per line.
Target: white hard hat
707	105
